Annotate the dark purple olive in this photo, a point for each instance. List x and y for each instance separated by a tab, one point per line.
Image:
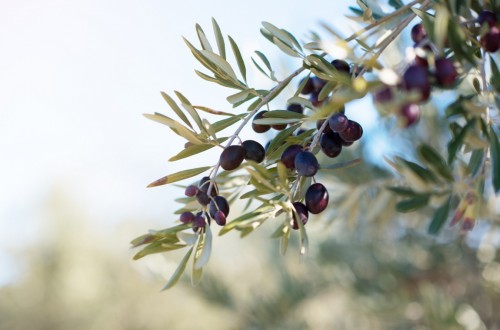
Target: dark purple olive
353	132
445	73
341	66
308	87
218	203
416	79
306	163
491	40
338	122
418	33
191	191
202	195
220	218
295	107
288	156
253	151
187	217
331	144
410	114
232	157
316	198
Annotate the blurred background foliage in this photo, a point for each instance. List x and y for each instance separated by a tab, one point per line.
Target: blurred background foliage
379	275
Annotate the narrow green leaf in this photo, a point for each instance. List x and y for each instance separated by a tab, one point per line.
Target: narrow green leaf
280	139
219	38
238	97
144	239
273	121
458	139
191	150
413	203
439	217
187	133
304	241
441	26
475	161
197	273
239	59
176	108
221	63
262	70
402	191
264	60
284	240
283	114
436	161
157	247
424	173
199	56
190	110
495	75
495	158
224	123
285	48
278	33
205	44
171	178
179	271
294	40
176	126
206	250
212	111
212	79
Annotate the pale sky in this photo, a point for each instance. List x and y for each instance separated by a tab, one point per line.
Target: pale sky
75	78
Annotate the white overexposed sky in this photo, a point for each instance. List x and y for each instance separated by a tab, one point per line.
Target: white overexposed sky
75	78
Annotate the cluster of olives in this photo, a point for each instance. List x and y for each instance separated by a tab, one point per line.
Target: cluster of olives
218	207
419	76
314	85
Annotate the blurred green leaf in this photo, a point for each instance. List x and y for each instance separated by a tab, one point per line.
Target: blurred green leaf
436	161
439	217
424	173
197	273
202	259
457	141
495	158
495	75
475	161
171	178
179	271
413	203
403	191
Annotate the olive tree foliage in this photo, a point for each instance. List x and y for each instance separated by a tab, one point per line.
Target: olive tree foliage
450	180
